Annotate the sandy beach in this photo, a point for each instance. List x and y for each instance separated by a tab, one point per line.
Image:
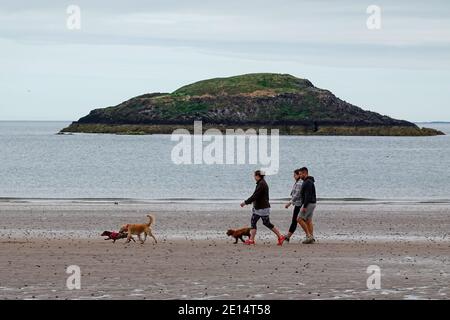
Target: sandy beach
194	259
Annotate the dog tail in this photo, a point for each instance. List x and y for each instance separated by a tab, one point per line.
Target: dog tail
151	220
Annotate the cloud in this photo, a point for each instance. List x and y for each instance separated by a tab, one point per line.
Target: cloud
320	32
163	44
321	22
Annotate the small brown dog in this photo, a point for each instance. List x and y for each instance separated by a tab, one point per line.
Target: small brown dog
239	233
115	235
138	229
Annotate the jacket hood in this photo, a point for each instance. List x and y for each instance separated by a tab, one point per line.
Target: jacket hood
310	178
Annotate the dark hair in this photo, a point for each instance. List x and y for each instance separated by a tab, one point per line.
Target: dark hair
304	169
297	171
259	173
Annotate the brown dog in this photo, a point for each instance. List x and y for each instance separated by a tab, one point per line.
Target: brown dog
239	233
138	229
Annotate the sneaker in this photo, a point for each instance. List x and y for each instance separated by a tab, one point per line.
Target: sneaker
308	240
249	242
281	240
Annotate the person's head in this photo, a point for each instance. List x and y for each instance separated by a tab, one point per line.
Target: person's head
297	174
259	174
303	173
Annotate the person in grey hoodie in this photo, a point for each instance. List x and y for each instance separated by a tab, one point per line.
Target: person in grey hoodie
296	201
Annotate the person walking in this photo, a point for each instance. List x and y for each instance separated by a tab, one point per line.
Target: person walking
261	208
308	196
295	201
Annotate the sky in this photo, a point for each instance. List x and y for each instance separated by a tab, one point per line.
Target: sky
126	48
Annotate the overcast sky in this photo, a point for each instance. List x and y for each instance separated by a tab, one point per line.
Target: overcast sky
127	48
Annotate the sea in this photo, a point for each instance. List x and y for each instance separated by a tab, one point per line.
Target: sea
38	163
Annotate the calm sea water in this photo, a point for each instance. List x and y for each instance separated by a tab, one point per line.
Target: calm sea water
35	162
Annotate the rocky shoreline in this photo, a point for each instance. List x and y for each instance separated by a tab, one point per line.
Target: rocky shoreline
347	130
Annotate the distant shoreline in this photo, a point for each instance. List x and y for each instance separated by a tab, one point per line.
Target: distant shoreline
109	201
433	122
314	128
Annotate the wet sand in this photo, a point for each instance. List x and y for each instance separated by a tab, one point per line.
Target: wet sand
194	259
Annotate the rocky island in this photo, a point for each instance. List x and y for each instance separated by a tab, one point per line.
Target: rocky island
263	100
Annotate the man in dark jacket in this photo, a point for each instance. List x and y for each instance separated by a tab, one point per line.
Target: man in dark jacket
261	208
308	196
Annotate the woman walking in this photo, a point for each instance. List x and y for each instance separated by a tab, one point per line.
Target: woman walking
261	208
296	201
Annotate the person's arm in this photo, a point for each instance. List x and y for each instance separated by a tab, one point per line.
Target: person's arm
255	195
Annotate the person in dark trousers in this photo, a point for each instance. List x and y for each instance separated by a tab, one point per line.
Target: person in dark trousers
296	201
261	208
308	196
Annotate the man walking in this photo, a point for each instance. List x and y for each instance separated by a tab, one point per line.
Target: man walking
308	196
261	208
